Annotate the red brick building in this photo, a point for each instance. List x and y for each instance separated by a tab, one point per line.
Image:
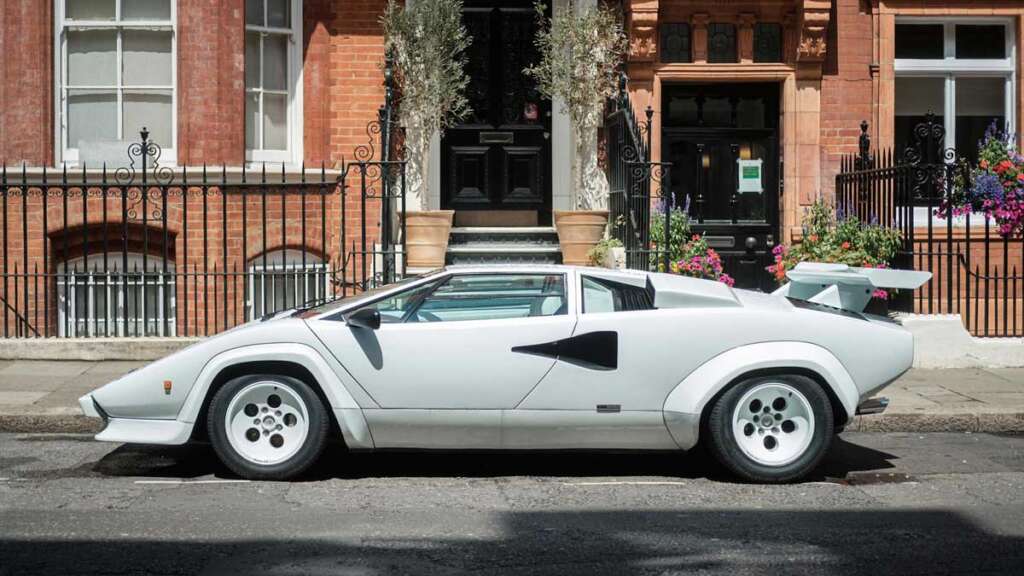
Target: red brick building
242	82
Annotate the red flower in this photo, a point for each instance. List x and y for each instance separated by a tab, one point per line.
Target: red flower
983	164
845	245
813	238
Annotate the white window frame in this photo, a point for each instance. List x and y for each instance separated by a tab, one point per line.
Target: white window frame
63	152
286	263
292	154
109	284
950	68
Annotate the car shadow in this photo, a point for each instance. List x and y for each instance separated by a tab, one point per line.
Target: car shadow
198	460
720	540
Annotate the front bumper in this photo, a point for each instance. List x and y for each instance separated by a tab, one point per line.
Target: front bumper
136	430
90	408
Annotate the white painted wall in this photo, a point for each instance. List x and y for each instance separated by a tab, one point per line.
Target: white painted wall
941	341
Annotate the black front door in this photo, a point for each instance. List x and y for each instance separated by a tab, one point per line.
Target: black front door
722	141
499	158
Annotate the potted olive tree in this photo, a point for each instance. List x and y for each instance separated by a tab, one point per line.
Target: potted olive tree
581	50
427	43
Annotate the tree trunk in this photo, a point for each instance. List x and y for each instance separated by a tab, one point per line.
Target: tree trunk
418	170
591	186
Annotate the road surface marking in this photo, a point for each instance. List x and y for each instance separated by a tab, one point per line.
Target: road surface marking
191	481
628	483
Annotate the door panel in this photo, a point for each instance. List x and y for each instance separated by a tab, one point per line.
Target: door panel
469	165
741	227
645	371
445	365
499	157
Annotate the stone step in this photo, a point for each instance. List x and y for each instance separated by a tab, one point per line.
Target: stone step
494	236
504	257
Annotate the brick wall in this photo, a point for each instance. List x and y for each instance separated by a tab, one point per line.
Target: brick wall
342	77
342	91
211	81
26	81
846	87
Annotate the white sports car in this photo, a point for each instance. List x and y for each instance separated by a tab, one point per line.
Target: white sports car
532	357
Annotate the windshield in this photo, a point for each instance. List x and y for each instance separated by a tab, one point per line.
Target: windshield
365	295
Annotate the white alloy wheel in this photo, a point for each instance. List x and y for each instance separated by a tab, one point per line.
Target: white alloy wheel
773	424
267	422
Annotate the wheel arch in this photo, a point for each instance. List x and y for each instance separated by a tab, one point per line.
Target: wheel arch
295	360
838	413
245	368
686	407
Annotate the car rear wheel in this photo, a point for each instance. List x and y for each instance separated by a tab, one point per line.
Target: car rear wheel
267	427
771	429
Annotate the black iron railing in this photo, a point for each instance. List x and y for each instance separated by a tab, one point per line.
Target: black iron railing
147	250
635	184
976	272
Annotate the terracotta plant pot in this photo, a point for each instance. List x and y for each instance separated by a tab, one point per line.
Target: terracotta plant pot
578	232
426	240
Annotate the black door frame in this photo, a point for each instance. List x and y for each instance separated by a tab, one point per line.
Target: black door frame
755	239
473	136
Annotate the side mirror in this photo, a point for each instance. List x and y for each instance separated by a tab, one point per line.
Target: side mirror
368	318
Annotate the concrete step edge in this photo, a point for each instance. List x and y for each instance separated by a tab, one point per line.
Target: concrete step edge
501	230
499	249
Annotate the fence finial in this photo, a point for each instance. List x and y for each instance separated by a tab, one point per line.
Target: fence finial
864	145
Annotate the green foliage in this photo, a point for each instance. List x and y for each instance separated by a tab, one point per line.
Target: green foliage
679	235
428	43
843	240
581	50
599	252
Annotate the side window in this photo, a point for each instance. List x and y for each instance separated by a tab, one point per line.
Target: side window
494	297
394	309
600	295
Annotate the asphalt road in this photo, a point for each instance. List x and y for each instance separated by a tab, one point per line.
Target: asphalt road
882	504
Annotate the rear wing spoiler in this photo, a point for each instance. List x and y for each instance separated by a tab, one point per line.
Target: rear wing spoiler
844	287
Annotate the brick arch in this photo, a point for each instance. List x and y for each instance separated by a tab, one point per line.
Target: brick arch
311	251
112	237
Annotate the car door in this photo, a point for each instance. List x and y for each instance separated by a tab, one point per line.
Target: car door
647	361
608	393
449	345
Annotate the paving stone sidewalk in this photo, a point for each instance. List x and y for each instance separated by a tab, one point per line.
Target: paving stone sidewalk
42	396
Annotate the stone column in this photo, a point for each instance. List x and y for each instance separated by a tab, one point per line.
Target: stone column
804	135
746	38
699	36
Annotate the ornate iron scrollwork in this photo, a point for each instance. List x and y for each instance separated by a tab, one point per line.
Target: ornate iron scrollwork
930	161
148	153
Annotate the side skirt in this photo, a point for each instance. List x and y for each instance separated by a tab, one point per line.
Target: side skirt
518	430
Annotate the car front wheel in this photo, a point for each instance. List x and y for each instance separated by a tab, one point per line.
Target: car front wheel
771	429
267	427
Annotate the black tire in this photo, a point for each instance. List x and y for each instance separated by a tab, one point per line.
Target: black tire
722	443
300	461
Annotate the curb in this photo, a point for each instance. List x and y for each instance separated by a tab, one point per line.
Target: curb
50	423
1012	423
1006	422
92	349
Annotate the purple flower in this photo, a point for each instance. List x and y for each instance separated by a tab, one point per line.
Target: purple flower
987	186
